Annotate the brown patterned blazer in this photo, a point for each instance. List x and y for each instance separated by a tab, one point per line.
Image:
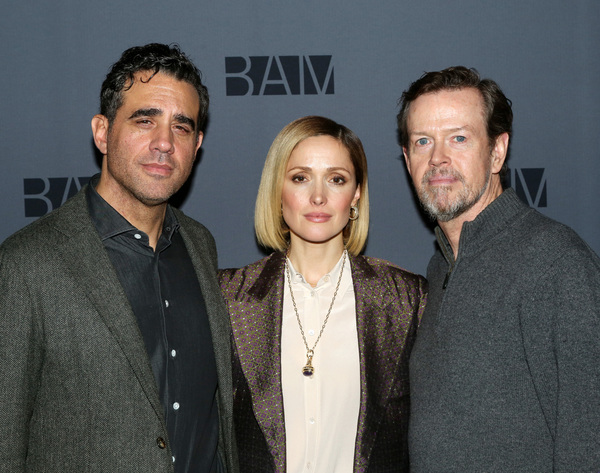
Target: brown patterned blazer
389	304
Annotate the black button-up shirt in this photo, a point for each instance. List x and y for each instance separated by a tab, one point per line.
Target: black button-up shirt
165	296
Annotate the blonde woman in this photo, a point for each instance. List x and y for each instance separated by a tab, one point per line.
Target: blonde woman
322	335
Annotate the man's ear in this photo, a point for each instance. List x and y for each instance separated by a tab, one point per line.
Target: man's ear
499	152
199	141
406	161
100	132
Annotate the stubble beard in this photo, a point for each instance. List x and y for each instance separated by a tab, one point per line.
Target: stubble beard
134	184
436	200
144	191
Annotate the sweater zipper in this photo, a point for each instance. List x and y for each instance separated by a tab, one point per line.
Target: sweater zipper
451	263
447	278
448	255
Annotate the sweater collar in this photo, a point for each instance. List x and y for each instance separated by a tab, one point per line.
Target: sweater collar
477	234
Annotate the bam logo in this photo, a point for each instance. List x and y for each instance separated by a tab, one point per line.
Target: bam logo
279	75
42	195
530	185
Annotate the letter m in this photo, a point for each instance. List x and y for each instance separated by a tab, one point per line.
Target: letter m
318	75
530	184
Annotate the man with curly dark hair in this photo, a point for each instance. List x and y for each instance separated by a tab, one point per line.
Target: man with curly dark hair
114	338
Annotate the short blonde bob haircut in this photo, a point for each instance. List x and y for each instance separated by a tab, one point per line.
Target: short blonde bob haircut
271	229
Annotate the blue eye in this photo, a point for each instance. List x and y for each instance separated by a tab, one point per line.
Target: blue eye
422	141
461	139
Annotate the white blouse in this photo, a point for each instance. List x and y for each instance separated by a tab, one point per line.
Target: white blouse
321	411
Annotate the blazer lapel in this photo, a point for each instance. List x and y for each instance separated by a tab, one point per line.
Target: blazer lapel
379	330
89	264
256	323
204	260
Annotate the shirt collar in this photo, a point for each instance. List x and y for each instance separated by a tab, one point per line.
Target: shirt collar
110	223
331	277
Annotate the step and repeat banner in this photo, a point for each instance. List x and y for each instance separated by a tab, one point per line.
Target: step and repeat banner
267	63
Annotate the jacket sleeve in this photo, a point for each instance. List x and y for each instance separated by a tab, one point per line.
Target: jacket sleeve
422	299
21	355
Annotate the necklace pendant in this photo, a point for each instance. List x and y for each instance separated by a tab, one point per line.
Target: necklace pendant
308	369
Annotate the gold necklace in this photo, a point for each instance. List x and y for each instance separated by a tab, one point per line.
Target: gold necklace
308	369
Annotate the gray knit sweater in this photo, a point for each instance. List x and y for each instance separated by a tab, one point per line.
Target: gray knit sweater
505	372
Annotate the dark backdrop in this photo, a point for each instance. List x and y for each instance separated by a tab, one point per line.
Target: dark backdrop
267	63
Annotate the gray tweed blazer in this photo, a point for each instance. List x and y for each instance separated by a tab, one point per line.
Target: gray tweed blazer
77	392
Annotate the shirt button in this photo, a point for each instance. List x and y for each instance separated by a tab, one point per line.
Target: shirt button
176	405
173	353
312	420
312	293
311	332
161	442
173	457
137	236
308	465
326	278
166	303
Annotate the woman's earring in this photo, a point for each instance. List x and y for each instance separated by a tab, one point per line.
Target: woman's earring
354	212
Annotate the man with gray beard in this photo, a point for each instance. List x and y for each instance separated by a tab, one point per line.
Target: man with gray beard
504	373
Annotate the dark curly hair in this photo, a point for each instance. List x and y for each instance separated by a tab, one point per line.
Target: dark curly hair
153	57
498	108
